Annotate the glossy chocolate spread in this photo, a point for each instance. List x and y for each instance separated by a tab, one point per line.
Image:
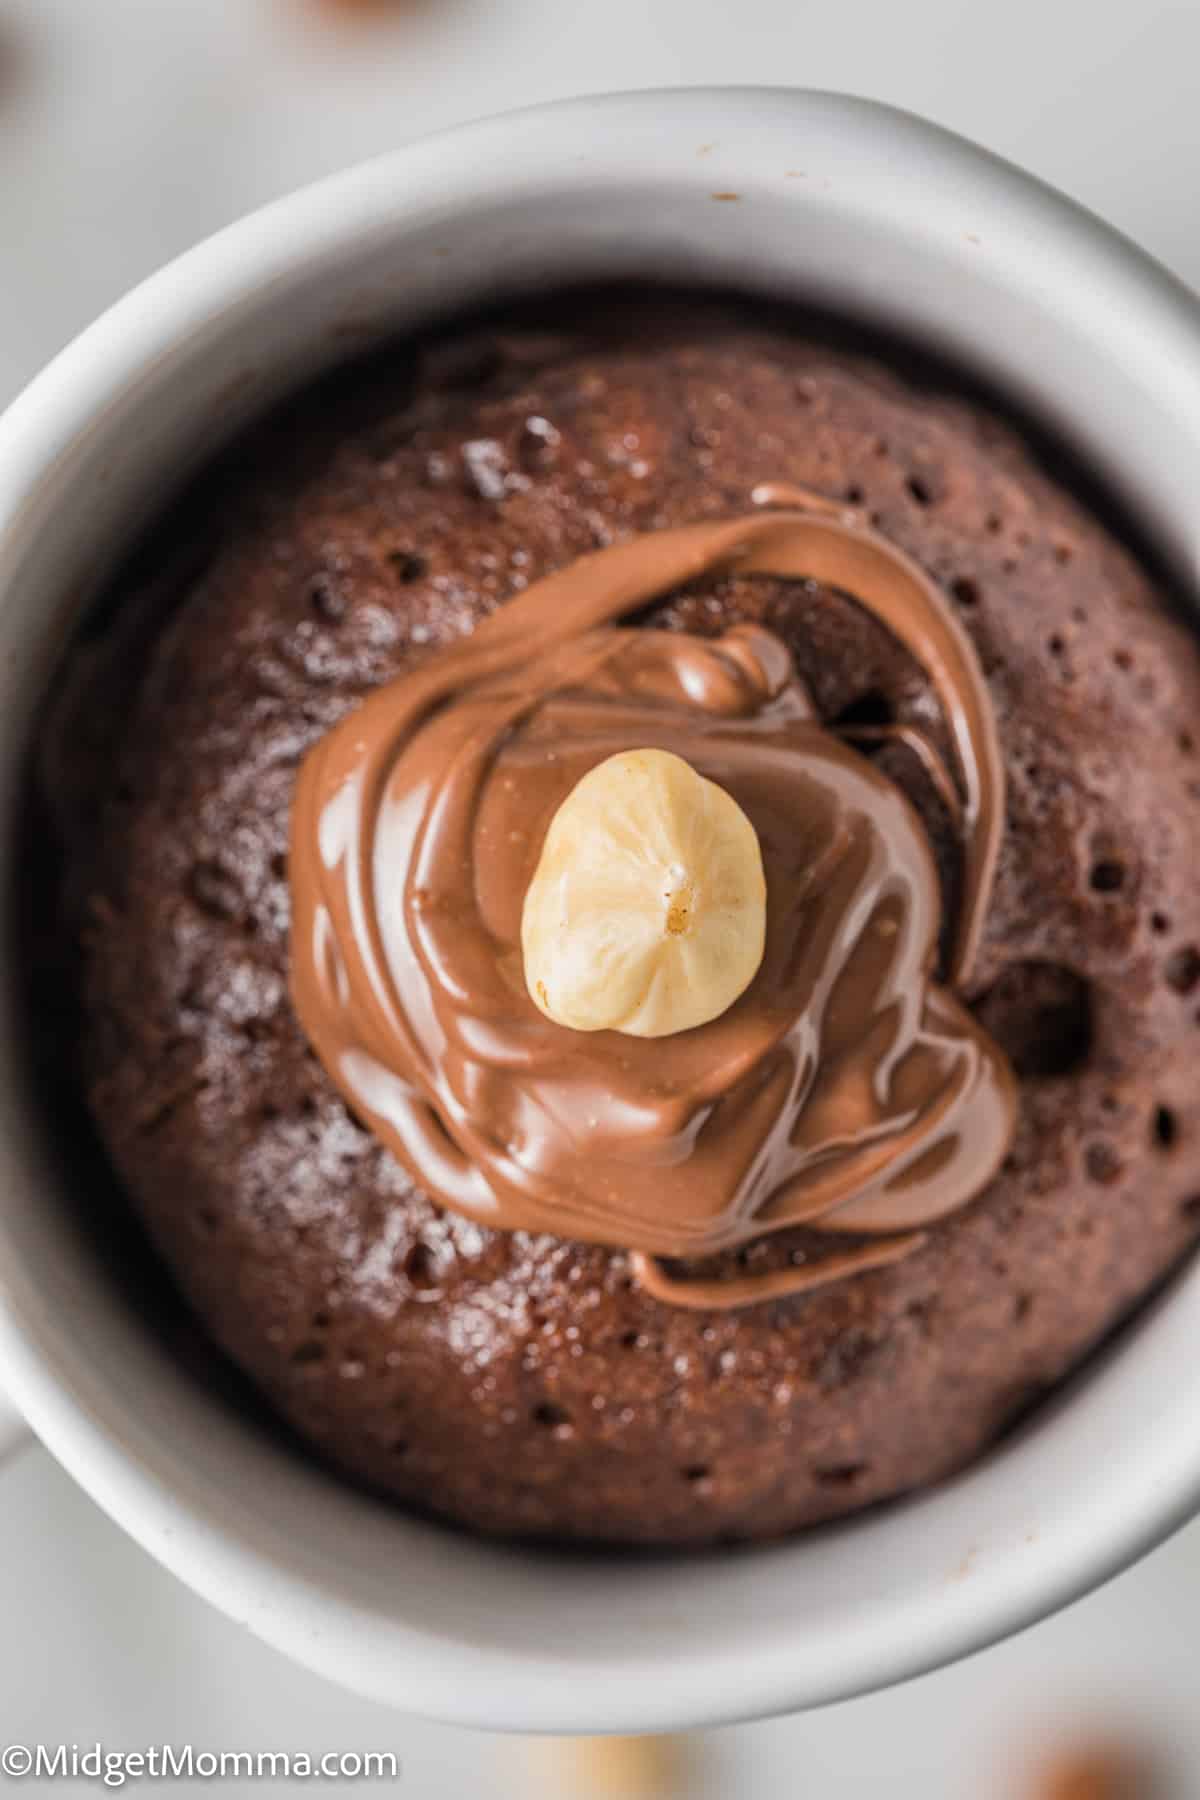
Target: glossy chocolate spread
847	1089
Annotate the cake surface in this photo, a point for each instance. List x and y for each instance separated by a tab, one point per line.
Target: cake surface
521	1384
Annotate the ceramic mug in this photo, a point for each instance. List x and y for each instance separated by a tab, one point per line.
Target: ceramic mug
865	211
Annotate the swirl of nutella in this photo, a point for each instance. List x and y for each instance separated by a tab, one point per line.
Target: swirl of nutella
846	1089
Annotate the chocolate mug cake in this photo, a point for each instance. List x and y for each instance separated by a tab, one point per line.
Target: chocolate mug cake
633	944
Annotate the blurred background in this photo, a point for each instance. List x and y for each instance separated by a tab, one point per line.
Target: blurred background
130	128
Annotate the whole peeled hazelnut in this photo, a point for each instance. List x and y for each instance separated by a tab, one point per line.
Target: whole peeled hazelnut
647	911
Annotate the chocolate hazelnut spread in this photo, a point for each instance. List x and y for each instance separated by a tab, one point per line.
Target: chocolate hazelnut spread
846	1088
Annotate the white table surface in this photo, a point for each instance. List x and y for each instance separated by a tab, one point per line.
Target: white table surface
128	129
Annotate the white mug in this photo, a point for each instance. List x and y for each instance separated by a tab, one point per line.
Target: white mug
862	210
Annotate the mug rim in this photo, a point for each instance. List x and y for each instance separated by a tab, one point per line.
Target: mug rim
293	1604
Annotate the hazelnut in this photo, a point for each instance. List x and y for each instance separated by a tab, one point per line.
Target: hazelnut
647	911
